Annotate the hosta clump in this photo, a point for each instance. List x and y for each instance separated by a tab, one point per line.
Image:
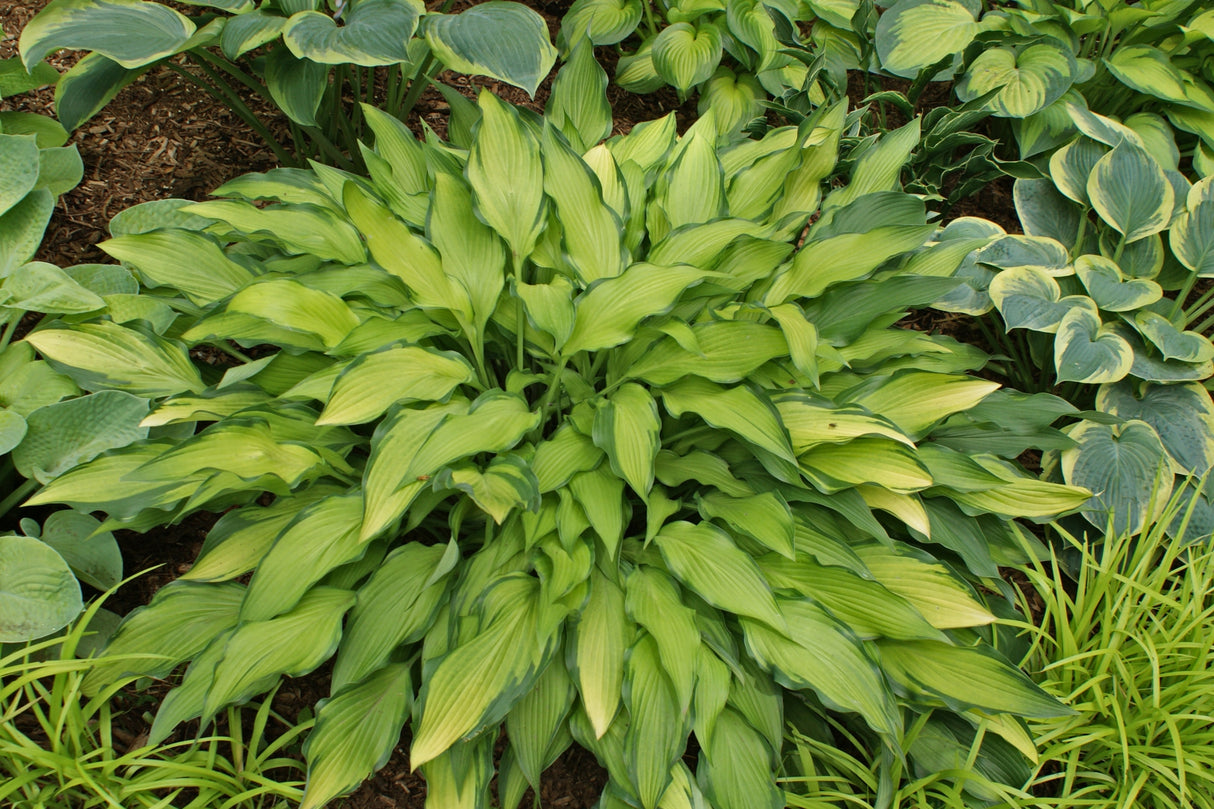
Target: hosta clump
1106	300
580	444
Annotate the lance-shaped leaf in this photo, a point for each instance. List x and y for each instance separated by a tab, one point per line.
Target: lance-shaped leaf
1028	79
739	410
180	621
609	311
1029	298
765	518
657	733
626	427
653	601
296	307
1182	416
41	287
565	454
966	677
812	421
943	598
820	654
38	593
549	307
505	41
63	435
1086	351
1130	191
472	254
298	229
686	55
101	484
373	32
709	564
247	450
22	227
735	766
296	85
506	484
694	186
578	105
606	22
600	493
914	34
718	350
846	257
592	242
915	400
538	721
876	461
105	354
1110	289
1192	234
355	734
476	683
1148	70
181	259
19	159
595	653
1125	466
130	32
506	173
374	382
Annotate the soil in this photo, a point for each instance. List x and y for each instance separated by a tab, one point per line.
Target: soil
163	137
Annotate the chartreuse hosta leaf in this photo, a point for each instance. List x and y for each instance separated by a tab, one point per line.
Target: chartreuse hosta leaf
686	54
1028	79
585	443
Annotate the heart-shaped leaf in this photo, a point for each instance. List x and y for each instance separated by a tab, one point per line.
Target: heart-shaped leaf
297	85
685	54
38	593
66	434
1130	191
1047	129
1182	415
1040	252
1086	351
1111	292
130	32
93	556
1126	468
12	430
1192	234
18	168
1028	79
1071	166
913	34
1043	211
1028	298
374	32
502	40
1174	344
605	21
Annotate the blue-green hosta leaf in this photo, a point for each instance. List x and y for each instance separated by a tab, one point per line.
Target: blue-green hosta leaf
253	29
1110	289
130	32
1149	365
1028	79
372	32
1047	129
914	34
1028	298
190	262
686	55
296	85
626	427
12	430
356	731
501	40
1127	468
22	227
90	85
1148	70
38	593
47	132
821	654
59	169
610	310
158	214
578	105
93	555
1173	344
605	21
706	560
965	677
1192	233
1182	415
298	229
1086	351
1130	191
15	79
105	354
66	434
475	684
18	168
41	287
1072	165
1013	251
374	382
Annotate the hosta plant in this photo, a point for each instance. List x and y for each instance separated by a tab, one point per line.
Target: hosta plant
305	56
578	444
1102	302
1120	58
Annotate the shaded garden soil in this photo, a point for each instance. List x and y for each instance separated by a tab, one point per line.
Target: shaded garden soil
163	137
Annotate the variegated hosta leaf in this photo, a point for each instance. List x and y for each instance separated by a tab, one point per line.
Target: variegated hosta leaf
686	55
1028	79
1172	343
626	427
501	40
130	32
1014	251
1110	290
374	382
506	174
1127	468
372	32
914	34
1148	70
1029	298
1182	416
578	105
606	22
657	733
1130	191
1086	351
735	766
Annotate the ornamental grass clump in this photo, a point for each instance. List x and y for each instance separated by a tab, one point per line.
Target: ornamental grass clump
578	444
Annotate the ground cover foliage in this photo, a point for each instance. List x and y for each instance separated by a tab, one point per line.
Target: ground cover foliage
545	437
